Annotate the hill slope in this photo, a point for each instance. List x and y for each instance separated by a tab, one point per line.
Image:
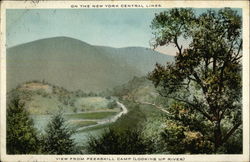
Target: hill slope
74	64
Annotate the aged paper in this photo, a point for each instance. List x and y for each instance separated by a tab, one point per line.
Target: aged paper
121	26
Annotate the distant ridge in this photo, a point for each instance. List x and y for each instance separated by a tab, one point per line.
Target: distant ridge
74	64
45	39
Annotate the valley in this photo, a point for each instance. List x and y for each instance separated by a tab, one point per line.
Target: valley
81	111
89	114
95	87
76	90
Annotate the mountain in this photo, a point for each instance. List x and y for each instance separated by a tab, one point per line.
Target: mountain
74	64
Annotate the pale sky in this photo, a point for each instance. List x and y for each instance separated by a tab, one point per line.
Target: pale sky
106	27
109	27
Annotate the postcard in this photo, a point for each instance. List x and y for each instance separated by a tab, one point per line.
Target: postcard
125	81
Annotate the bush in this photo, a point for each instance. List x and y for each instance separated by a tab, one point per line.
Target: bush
180	140
124	142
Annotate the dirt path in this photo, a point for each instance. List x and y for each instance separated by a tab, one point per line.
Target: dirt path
156	106
109	120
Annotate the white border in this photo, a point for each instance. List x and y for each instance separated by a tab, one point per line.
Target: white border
165	4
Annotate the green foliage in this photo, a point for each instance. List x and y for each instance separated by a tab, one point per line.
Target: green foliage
169	25
206	76
135	117
45	98
57	139
179	139
21	134
91	115
80	93
119	142
186	131
127	88
153	129
234	144
112	104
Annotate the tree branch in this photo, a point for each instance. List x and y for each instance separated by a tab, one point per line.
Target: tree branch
229	133
199	81
177	45
238	52
194	106
240	47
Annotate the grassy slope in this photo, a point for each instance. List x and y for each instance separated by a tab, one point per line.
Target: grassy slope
74	64
91	115
42	98
91	103
140	90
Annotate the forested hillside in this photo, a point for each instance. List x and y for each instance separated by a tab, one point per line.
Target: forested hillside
74	64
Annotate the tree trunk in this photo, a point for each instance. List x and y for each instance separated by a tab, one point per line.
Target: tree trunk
217	136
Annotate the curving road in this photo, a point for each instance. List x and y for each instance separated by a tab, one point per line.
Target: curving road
110	120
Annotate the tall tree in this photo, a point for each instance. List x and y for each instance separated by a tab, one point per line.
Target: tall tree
21	134
206	76
57	139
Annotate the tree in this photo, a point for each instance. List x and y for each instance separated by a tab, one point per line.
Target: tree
57	139
112	104
129	141
21	134
186	131
206	76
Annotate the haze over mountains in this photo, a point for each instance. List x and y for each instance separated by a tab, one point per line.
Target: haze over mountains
74	64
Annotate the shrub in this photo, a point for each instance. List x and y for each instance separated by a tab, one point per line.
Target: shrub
124	142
